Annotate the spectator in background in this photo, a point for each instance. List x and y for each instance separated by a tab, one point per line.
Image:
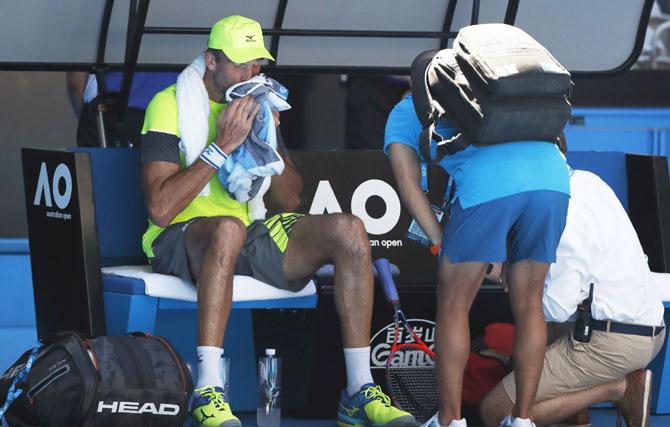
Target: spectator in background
82	89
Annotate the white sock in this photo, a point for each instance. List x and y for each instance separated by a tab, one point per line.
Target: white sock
357	361
209	366
521	422
433	422
506	422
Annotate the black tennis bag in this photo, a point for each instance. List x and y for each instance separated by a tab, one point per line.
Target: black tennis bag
487	120
131	380
489	105
506	62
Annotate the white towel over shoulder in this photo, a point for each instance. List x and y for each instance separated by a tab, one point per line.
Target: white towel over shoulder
193	112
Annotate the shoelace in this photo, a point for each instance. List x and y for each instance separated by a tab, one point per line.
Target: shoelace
377	393
216	397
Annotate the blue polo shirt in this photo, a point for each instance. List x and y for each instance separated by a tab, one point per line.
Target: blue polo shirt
488	172
145	85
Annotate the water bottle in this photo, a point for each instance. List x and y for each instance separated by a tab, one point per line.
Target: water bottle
268	413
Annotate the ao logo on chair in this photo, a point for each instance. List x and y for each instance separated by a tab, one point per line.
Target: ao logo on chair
50	190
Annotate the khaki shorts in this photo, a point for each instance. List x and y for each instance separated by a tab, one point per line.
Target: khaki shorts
571	365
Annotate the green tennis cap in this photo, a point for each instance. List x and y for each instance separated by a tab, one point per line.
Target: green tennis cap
240	38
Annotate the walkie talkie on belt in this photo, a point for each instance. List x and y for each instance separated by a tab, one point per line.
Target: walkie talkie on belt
582	332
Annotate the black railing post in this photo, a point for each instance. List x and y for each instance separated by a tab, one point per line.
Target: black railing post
279	22
510	12
448	21
474	19
132	52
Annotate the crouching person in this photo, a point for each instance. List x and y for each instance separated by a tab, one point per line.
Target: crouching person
600	249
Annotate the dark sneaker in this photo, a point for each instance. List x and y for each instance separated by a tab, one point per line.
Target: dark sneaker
370	407
209	408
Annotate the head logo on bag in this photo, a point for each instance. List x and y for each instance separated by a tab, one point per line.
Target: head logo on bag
135	408
74	382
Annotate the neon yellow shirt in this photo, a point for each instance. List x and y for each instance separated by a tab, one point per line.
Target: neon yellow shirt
161	116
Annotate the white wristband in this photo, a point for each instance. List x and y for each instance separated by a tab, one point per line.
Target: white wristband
214	156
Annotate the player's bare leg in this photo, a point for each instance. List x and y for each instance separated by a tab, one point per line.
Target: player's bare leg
316	240
457	288
342	240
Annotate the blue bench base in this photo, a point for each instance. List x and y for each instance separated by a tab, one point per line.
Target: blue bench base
127	309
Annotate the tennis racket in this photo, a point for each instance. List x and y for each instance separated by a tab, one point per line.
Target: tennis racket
410	367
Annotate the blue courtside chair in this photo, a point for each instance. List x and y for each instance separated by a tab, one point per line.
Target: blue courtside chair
121	220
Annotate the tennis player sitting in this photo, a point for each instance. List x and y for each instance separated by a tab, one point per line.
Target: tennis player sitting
199	233
515	192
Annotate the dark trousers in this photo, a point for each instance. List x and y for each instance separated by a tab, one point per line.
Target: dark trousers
126	134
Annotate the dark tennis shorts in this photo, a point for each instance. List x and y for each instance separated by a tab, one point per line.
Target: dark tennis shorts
262	256
524	226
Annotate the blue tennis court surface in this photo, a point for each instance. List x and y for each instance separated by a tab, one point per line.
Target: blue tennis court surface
599	418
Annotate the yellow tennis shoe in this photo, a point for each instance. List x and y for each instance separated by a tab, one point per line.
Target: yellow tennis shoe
209	408
370	407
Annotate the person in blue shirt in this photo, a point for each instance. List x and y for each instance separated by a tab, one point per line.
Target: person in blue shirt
82	89
510	204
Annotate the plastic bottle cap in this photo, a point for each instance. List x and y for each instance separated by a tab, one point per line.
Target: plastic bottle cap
270	351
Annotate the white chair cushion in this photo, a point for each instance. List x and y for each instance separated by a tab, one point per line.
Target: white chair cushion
245	288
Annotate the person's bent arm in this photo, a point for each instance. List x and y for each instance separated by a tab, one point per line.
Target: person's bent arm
284	192
76	84
285	189
568	280
406	169
169	190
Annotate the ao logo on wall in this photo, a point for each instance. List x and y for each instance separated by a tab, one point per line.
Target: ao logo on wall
325	201
55	191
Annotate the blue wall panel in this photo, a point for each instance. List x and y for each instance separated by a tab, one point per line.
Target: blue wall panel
16	291
17	308
630	130
610	166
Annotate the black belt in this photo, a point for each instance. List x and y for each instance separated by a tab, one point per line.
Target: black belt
626	328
